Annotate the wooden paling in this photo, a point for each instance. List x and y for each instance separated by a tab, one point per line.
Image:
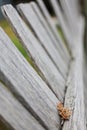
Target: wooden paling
52	27
29	97
74	98
57	42
39	55
26	85
14	114
46	42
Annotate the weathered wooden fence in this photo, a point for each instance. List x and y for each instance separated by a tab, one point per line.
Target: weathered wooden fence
29	96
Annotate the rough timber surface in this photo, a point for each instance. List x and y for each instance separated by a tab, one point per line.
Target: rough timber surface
13	114
28	13
70	10
52	27
26	85
63	23
36	51
74	98
56	43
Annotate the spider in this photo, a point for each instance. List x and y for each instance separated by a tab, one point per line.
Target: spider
65	113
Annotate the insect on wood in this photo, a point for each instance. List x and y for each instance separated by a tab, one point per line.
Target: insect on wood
65	113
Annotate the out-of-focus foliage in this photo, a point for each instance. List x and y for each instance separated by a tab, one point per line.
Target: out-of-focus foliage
10	33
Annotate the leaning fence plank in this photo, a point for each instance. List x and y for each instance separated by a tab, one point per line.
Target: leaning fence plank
74	5
63	23
41	59
74	98
50	33
70	16
75	102
85	83
53	28
26	85
28	14
13	114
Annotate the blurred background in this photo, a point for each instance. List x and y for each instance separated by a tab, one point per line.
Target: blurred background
14	2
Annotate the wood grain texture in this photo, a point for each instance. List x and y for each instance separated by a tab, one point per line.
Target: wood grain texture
56	41
13	114
50	33
38	54
13	63
26	85
74	98
71	15
52	27
28	13
67	32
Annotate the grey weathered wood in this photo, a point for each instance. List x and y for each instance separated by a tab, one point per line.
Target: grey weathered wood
70	15
34	48
52	27
85	96
38	94
67	32
26	85
74	98
13	114
50	33
85	82
61	48
28	14
75	7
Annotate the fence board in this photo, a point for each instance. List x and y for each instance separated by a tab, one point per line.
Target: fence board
28	14
13	114
36	51
26	84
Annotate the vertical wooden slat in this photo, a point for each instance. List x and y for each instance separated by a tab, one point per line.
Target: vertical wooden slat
74	98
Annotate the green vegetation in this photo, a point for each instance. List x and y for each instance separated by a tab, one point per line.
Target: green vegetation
12	36
4	24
